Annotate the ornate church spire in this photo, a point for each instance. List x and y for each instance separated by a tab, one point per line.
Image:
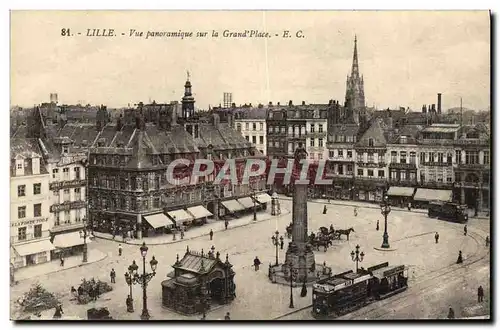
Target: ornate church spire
355	90
355	66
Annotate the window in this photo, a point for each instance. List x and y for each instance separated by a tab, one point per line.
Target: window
458	156
320	128
66	173
360	157
320	142
370	142
77	173
471	157
312	128
157	183
38	231
66	196
349	168
133	204
413	156
67	216
58	220
21	212
312	143
486	157
422	157
381	157
261	140
320	156
246	126
123	183
65	149
238	127
349	153
145	204
340	138
403	139
381	173
370	157
360	172
394	156
78	215
402	175
331	154
21	233
449	158
370	173
350	138
402	157
431	157
261	126
341	169
247	137
254	126
21	190
37	210
156	202
37	188
19	166
78	194
341	153
254	139
55	173
394	175
413	176
440	157
145	185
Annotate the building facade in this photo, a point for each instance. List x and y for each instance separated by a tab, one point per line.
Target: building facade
251	122
30	219
277	140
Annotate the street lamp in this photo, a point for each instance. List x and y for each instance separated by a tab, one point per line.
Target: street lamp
131	279
385	208
254	191
84	235
276	243
357	257
293	276
144	278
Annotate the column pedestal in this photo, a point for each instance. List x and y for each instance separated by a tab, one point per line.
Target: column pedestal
139	226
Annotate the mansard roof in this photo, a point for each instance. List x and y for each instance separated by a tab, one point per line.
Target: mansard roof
375	132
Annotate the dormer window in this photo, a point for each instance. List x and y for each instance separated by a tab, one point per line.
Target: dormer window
65	149
370	142
403	139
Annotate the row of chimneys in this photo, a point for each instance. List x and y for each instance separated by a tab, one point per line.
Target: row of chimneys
432	107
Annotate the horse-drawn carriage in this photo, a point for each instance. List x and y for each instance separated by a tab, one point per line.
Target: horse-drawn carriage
325	237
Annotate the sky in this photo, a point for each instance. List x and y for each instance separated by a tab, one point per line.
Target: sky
406	57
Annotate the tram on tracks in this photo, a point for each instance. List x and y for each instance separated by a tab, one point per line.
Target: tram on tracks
348	291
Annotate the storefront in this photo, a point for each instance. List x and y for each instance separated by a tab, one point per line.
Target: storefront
200	214
31	253
180	217
423	196
263	199
400	196
158	224
68	244
232	206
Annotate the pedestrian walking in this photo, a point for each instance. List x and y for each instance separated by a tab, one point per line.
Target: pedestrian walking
282	242
324	209
120	250
378	225
460	258
355	211
58	312
274	239
227	317
409	206
480	294
451	313
112	275
436	237
211	234
182	232
465	230
256	263
62	260
487	241
226	223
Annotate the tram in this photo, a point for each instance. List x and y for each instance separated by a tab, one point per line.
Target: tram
348	291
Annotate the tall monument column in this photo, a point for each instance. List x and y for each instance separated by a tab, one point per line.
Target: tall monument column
299	252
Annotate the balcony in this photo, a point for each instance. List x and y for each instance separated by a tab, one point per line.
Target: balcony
403	183
436	164
436	142
67	226
476	167
371	165
339	176
472	142
67	184
341	159
315	134
436	185
66	206
28	237
403	166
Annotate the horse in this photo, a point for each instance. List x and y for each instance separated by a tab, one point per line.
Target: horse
321	242
346	232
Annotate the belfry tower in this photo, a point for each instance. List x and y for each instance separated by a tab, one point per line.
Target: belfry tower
187	100
355	90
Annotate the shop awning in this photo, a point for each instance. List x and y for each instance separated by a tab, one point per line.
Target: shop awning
199	212
233	205
159	220
247	202
400	191
67	240
263	198
180	216
428	195
33	248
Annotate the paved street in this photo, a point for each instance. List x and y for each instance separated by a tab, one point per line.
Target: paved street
411	233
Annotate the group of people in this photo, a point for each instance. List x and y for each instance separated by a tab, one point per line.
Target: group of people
480	299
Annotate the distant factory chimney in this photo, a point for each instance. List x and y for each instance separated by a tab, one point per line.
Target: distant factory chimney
439	103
